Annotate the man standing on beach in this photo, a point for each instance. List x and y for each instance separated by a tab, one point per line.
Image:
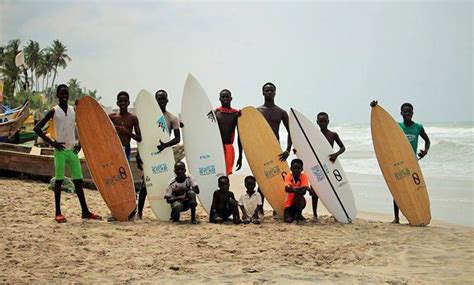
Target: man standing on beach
172	123
66	149
125	122
412	131
274	116
227	120
322	119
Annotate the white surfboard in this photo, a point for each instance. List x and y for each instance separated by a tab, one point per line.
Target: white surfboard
328	179
158	167
202	140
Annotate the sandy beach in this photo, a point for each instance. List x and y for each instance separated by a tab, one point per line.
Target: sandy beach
371	250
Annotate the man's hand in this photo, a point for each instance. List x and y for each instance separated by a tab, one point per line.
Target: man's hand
422	153
77	148
373	103
238	165
284	155
333	157
161	146
58	145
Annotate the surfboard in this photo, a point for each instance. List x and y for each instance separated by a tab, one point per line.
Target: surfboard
202	141
261	149
400	168
157	166
105	158
327	178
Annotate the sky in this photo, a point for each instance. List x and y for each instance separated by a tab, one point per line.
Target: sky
322	56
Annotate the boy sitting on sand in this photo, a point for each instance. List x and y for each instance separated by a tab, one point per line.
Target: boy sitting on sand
250	202
224	203
296	186
66	149
181	193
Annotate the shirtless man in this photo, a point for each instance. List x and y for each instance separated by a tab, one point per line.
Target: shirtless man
227	120
274	116
125	123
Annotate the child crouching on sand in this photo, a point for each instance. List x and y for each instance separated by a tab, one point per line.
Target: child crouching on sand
250	202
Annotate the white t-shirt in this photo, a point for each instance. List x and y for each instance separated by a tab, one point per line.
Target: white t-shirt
189	182
250	203
65	126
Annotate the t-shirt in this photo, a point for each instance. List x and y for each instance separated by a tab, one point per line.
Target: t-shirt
189	182
290	181
412	133
64	126
250	203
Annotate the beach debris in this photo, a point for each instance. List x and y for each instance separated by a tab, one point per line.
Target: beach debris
250	270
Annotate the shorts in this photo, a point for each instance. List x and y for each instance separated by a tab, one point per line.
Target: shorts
128	151
71	159
229	155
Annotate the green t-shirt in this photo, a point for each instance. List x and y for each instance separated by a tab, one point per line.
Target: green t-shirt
412	133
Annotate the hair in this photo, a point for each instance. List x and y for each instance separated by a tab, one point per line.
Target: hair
297	160
60	86
269	83
223	177
322	114
250	177
406	105
225	90
123	93
179	163
161	91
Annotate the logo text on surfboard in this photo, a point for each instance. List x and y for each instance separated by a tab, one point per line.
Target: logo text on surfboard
269	173
161	122
160	168
211	116
207	170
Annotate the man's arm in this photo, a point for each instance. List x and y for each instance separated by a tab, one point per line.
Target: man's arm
425	137
213	206
138	134
38	130
172	142
286	122
342	148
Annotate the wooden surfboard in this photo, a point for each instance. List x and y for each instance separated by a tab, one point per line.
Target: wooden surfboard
327	178
261	149
400	167
157	166
105	158
202	141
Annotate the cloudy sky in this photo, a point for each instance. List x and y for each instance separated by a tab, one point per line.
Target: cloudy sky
326	56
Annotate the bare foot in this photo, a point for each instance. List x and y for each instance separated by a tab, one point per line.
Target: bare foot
395	221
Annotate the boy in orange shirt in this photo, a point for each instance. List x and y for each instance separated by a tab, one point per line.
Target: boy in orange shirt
296	185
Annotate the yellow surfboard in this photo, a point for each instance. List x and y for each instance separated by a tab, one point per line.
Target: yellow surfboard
105	158
400	167
261	149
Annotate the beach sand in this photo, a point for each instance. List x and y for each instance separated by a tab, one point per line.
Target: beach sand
370	250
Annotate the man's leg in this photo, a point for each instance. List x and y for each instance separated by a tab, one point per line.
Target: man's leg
59	164
314	201
141	200
176	208
192	204
300	204
289	214
233	207
396	219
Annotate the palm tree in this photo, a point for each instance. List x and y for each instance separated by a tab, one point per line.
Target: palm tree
59	58
10	72
33	57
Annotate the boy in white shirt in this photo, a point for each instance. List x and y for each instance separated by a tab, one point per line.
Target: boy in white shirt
250	202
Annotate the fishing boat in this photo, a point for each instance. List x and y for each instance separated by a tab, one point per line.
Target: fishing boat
12	120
